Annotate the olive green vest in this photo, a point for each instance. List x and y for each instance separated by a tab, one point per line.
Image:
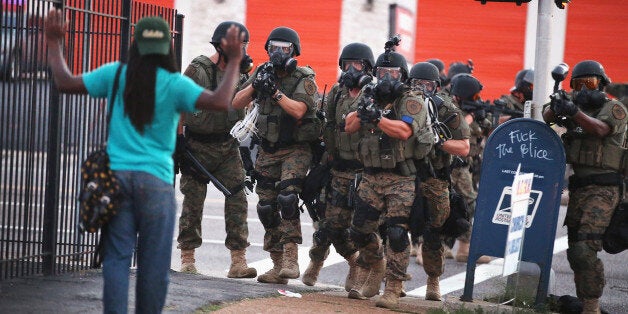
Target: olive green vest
339	143
378	150
590	154
208	75
275	125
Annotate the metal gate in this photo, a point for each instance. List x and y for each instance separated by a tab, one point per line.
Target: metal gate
45	135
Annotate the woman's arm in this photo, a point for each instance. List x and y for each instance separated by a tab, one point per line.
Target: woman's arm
55	29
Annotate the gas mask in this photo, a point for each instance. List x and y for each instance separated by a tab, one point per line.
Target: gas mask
589	99
388	89
425	87
280	54
352	78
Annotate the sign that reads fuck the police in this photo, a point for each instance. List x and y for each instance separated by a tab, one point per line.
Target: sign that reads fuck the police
538	149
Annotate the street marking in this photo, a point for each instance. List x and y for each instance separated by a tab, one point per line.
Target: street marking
266	264
482	273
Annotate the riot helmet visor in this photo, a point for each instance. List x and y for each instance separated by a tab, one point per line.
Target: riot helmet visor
393	72
428	87
356	64
591	82
281	46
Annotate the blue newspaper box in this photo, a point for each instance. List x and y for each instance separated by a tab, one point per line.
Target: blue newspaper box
539	150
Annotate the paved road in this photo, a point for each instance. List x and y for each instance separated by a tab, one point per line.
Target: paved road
213	259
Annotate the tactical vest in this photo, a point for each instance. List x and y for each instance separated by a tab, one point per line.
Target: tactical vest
512	102
208	75
605	154
341	144
378	150
277	127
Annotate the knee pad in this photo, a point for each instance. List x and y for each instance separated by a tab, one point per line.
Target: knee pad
581	256
288	203
397	238
359	238
268	215
363	212
321	237
432	238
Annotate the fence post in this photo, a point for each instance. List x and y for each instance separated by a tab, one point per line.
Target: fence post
178	39
51	198
125	30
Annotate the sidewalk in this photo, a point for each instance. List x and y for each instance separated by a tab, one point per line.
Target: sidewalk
81	292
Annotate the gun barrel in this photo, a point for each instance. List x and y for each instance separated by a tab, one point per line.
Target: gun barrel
214	180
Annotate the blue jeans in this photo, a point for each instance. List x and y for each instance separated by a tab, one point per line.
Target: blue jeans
146	215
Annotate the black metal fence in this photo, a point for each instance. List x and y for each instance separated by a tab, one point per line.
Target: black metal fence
45	135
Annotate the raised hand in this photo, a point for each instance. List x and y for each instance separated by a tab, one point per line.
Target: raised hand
55	26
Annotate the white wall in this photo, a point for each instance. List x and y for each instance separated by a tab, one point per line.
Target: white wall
201	18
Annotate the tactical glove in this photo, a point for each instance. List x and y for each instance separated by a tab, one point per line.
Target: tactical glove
264	84
370	114
563	107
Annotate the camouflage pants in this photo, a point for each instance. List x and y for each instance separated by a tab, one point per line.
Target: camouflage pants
462	181
282	165
337	219
589	211
391	195
224	162
436	192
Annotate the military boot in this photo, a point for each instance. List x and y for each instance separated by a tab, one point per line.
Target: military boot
272	276
353	271
239	268
311	273
374	280
390	299
433	289
361	275
463	254
290	268
590	306
187	262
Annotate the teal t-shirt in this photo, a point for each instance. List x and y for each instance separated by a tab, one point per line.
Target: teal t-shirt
152	151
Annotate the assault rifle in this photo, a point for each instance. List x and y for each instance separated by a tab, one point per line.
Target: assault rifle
498	108
559	73
196	169
368	107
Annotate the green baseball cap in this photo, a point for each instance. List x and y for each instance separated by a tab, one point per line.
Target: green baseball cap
152	35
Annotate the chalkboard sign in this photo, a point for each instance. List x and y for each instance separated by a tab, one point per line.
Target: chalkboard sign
540	151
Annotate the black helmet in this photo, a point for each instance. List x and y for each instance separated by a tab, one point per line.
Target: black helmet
425	71
523	77
457	68
438	63
221	31
590	68
286	34
357	51
465	86
392	59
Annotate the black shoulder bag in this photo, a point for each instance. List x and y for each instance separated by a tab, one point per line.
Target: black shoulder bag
99	194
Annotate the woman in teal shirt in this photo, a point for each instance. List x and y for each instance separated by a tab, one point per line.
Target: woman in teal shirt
151	95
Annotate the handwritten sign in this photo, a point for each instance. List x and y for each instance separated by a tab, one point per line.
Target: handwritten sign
525	143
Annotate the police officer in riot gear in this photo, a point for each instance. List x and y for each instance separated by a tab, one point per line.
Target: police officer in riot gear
453	139
286	126
519	94
594	145
391	122
440	65
455	69
356	63
465	87
207	136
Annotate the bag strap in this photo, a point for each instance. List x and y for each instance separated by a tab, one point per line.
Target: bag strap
116	81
